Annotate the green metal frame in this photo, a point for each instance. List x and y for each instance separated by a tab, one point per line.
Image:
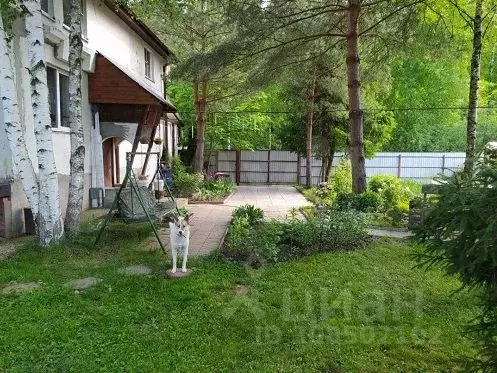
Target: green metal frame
130	177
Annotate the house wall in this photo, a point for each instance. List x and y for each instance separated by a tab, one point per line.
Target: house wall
109	35
14	208
106	34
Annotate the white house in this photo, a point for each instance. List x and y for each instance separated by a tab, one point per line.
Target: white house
124	103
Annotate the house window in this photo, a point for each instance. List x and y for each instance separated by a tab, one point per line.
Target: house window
47	7
66	8
58	97
149	67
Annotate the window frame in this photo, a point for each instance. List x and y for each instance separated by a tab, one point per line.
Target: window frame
150	64
49	12
58	109
84	28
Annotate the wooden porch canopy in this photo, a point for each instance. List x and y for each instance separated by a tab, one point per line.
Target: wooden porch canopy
123	98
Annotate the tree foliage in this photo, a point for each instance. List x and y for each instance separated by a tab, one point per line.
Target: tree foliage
459	232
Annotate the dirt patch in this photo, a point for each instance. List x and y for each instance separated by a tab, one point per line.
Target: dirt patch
9	245
242	289
134	270
83	283
22	287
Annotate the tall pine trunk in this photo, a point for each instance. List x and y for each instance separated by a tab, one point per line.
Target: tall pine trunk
13	127
77	161
200	94
331	152
473	89
49	219
308	135
356	125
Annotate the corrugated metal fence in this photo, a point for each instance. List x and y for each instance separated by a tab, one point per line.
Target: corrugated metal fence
284	167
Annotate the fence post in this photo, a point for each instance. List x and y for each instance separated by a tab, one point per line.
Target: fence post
399	168
238	166
443	164
268	166
298	169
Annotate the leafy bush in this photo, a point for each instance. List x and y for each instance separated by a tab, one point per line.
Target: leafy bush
459	230
271	241
212	189
364	202
252	214
331	230
234	246
393	190
325	193
184	183
341	181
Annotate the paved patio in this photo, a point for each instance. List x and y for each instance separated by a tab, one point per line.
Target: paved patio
275	200
209	222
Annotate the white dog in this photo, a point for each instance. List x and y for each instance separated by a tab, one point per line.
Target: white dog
179	232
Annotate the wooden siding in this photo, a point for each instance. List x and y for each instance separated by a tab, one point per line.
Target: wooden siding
109	85
143	114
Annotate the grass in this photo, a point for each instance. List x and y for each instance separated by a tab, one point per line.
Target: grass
364	311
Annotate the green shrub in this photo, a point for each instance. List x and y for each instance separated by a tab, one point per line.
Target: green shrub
364	202
184	183
331	230
254	244
459	230
393	190
272	241
211	189
234	246
252	214
341	181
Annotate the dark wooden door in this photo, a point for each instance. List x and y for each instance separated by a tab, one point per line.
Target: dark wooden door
108	155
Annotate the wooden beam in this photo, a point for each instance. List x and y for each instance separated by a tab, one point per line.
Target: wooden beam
149	148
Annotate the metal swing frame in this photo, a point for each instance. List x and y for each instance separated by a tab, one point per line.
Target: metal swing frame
133	185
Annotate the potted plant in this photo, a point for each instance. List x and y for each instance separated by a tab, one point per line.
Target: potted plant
158	141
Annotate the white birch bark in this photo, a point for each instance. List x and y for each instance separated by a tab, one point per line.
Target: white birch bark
13	127
49	220
77	161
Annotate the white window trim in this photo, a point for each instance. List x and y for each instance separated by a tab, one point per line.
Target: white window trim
59	127
50	9
84	22
151	76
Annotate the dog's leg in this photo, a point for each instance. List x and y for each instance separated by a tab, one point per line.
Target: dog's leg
175	258
185	258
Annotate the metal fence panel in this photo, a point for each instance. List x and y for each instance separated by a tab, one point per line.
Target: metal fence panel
285	167
253	178
226	166
283	155
283	178
226	155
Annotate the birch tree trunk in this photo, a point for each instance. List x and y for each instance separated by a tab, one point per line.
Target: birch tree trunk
473	89
49	219
308	135
77	161
13	127
356	124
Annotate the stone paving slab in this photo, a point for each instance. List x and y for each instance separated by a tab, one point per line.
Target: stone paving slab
275	200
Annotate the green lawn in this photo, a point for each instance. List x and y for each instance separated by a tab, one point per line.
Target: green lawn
365	311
